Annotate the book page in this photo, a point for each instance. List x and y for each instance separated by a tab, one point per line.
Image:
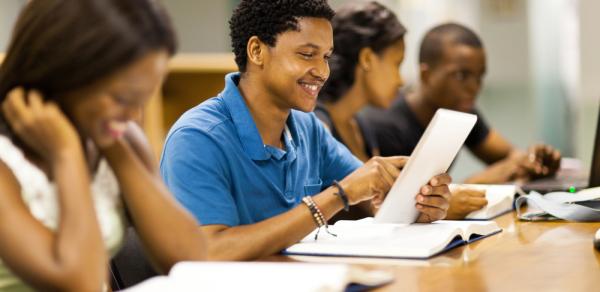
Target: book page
468	228
356	238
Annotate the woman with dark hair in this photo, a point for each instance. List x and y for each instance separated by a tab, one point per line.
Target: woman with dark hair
72	161
368	51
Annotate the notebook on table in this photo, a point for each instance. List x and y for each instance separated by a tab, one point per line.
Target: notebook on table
366	238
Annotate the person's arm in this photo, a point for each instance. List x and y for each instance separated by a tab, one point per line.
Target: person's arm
201	179
502	158
198	171
249	242
168	232
507	163
254	241
432	199
71	258
493	148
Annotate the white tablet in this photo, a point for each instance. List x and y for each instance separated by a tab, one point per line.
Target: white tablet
433	155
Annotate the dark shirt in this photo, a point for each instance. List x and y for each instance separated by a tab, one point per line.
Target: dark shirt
368	134
397	130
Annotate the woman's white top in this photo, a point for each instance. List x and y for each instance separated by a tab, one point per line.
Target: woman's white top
41	196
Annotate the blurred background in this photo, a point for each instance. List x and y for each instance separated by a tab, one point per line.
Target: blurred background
543	80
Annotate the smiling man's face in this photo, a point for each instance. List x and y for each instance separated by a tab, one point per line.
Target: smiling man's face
296	68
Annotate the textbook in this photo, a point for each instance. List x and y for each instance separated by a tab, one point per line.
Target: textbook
500	200
365	238
264	276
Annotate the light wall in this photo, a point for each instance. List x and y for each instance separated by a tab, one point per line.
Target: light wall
201	25
589	82
9	10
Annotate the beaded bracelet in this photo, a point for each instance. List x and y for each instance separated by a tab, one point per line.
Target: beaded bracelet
314	211
342	194
317	215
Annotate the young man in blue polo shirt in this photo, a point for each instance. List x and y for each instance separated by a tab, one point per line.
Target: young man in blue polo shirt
253	164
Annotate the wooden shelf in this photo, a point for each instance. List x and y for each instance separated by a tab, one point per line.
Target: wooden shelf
203	63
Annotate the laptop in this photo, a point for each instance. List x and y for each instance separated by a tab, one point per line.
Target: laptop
571	181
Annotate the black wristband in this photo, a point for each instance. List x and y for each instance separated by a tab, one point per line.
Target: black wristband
342	194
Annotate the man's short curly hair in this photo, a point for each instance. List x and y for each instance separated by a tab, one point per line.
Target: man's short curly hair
432	46
268	18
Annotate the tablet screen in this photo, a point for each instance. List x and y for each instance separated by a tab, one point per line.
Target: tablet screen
433	155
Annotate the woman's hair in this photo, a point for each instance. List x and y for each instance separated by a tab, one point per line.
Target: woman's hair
62	45
357	26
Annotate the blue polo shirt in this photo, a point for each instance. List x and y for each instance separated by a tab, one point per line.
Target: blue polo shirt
216	165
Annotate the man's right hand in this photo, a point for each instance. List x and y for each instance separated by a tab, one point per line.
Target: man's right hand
374	179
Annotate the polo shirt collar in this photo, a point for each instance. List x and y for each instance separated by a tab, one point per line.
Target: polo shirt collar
245	125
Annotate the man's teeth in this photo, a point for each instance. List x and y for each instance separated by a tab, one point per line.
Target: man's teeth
311	87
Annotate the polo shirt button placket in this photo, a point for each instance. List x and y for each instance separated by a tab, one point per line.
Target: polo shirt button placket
289	192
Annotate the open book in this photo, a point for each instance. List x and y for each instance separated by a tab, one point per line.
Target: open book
263	276
365	238
500	199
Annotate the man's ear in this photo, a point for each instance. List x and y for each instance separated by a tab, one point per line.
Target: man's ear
366	58
255	50
424	73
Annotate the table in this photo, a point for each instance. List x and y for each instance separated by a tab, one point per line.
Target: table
525	256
